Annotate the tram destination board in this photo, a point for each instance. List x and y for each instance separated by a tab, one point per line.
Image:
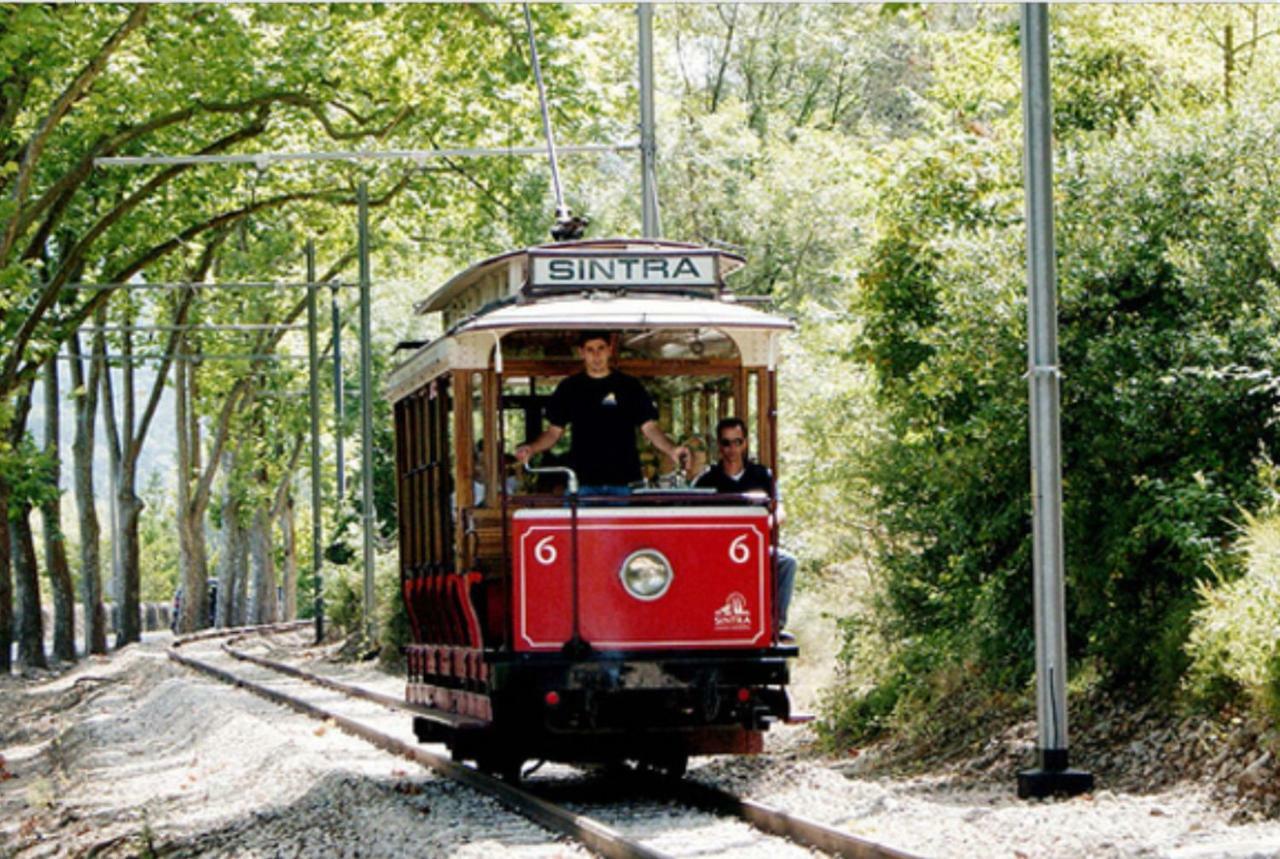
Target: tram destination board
568	271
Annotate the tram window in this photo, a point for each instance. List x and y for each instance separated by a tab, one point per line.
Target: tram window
482	492
423	423
524	400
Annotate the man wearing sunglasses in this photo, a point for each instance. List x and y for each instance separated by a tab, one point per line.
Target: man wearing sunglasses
735	472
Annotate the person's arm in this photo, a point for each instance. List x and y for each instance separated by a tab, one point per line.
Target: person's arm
544	442
665	446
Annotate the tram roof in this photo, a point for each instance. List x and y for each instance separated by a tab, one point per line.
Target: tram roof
514	267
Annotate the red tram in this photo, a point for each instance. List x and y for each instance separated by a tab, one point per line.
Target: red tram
549	624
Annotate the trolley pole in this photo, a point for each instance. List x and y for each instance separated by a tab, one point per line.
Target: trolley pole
1051	775
651	227
313	385
366	411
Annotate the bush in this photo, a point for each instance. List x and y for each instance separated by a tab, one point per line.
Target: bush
1234	645
344	601
1169	320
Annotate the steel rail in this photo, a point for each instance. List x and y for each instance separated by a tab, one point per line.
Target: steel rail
387	701
772	821
800	830
593	835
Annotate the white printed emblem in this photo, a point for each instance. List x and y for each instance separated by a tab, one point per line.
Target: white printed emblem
544	552
734	614
739	551
609	400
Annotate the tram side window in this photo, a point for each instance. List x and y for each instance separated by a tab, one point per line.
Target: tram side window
524	405
424	443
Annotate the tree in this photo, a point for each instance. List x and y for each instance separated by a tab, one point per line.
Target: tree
26	475
55	548
85	396
126	434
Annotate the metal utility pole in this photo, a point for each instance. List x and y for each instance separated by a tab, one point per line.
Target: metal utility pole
339	398
651	226
313	385
366	411
1051	775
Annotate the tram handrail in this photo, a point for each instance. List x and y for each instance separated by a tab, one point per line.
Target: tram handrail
557	469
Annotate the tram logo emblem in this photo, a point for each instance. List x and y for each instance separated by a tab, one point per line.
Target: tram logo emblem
734	614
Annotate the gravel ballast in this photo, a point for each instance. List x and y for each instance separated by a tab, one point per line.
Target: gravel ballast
133	754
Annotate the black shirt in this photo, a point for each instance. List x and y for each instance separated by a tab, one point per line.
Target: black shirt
604	414
754	478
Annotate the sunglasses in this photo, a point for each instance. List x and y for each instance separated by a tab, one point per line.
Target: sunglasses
732	442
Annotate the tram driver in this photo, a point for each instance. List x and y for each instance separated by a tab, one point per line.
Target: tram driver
735	472
604	406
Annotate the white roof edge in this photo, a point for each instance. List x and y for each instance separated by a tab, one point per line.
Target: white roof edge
628	311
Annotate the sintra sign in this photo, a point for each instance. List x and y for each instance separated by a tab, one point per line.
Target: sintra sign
614	271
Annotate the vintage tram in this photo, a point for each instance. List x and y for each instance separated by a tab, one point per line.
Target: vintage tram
549	624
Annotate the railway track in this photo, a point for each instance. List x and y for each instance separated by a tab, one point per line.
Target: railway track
626	817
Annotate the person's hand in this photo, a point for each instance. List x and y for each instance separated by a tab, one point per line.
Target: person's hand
523	452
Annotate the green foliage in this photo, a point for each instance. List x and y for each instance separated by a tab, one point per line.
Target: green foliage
1168	326
394	631
158	541
343	601
1234	644
29	473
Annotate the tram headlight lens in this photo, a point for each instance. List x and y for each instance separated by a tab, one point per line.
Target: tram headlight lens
646	574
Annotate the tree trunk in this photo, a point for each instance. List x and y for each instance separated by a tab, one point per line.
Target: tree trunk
95	628
130	507
240	605
262	595
193	561
55	544
289	535
231	568
30	623
193	564
6	582
116	586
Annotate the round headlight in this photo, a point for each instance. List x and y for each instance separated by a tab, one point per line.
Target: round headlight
646	574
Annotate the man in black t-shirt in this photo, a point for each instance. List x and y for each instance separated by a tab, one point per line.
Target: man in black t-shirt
604	407
737	473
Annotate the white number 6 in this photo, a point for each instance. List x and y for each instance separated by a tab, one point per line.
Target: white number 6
544	551
739	551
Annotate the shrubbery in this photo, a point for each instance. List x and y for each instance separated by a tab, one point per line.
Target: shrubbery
1235	637
1169	323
